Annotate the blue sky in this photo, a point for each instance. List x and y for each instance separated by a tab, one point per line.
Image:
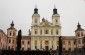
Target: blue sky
20	11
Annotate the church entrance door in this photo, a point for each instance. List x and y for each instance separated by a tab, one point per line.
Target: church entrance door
47	47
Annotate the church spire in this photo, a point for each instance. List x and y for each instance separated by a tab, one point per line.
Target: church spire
54	10
12	24
78	26
35	10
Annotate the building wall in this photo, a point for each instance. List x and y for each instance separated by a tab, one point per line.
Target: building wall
11	39
25	43
3	40
69	44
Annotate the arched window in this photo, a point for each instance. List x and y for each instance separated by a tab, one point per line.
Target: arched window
35	31
13	33
78	34
56	21
46	31
40	31
51	31
10	34
57	31
81	33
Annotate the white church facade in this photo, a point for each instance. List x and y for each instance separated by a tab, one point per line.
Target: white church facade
44	35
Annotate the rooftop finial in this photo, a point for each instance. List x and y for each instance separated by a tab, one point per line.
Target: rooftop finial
54	10
78	23
79	26
12	24
35	10
54	6
35	5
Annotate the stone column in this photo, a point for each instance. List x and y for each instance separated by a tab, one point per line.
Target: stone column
38	31
50	43
55	43
43	45
42	31
38	43
32	43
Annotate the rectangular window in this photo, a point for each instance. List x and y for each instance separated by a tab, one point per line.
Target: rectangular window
13	41
28	42
40	31
81	33
9	40
22	42
75	42
69	43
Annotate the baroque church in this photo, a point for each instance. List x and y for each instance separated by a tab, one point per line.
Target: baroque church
43	35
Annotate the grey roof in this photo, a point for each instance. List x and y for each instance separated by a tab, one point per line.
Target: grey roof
2	32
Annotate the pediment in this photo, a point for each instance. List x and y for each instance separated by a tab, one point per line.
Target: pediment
45	23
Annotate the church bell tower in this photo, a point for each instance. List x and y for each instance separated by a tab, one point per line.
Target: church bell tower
35	17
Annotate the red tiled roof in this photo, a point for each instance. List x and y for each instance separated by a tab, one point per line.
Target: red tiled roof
11	28
79	29
68	37
25	37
